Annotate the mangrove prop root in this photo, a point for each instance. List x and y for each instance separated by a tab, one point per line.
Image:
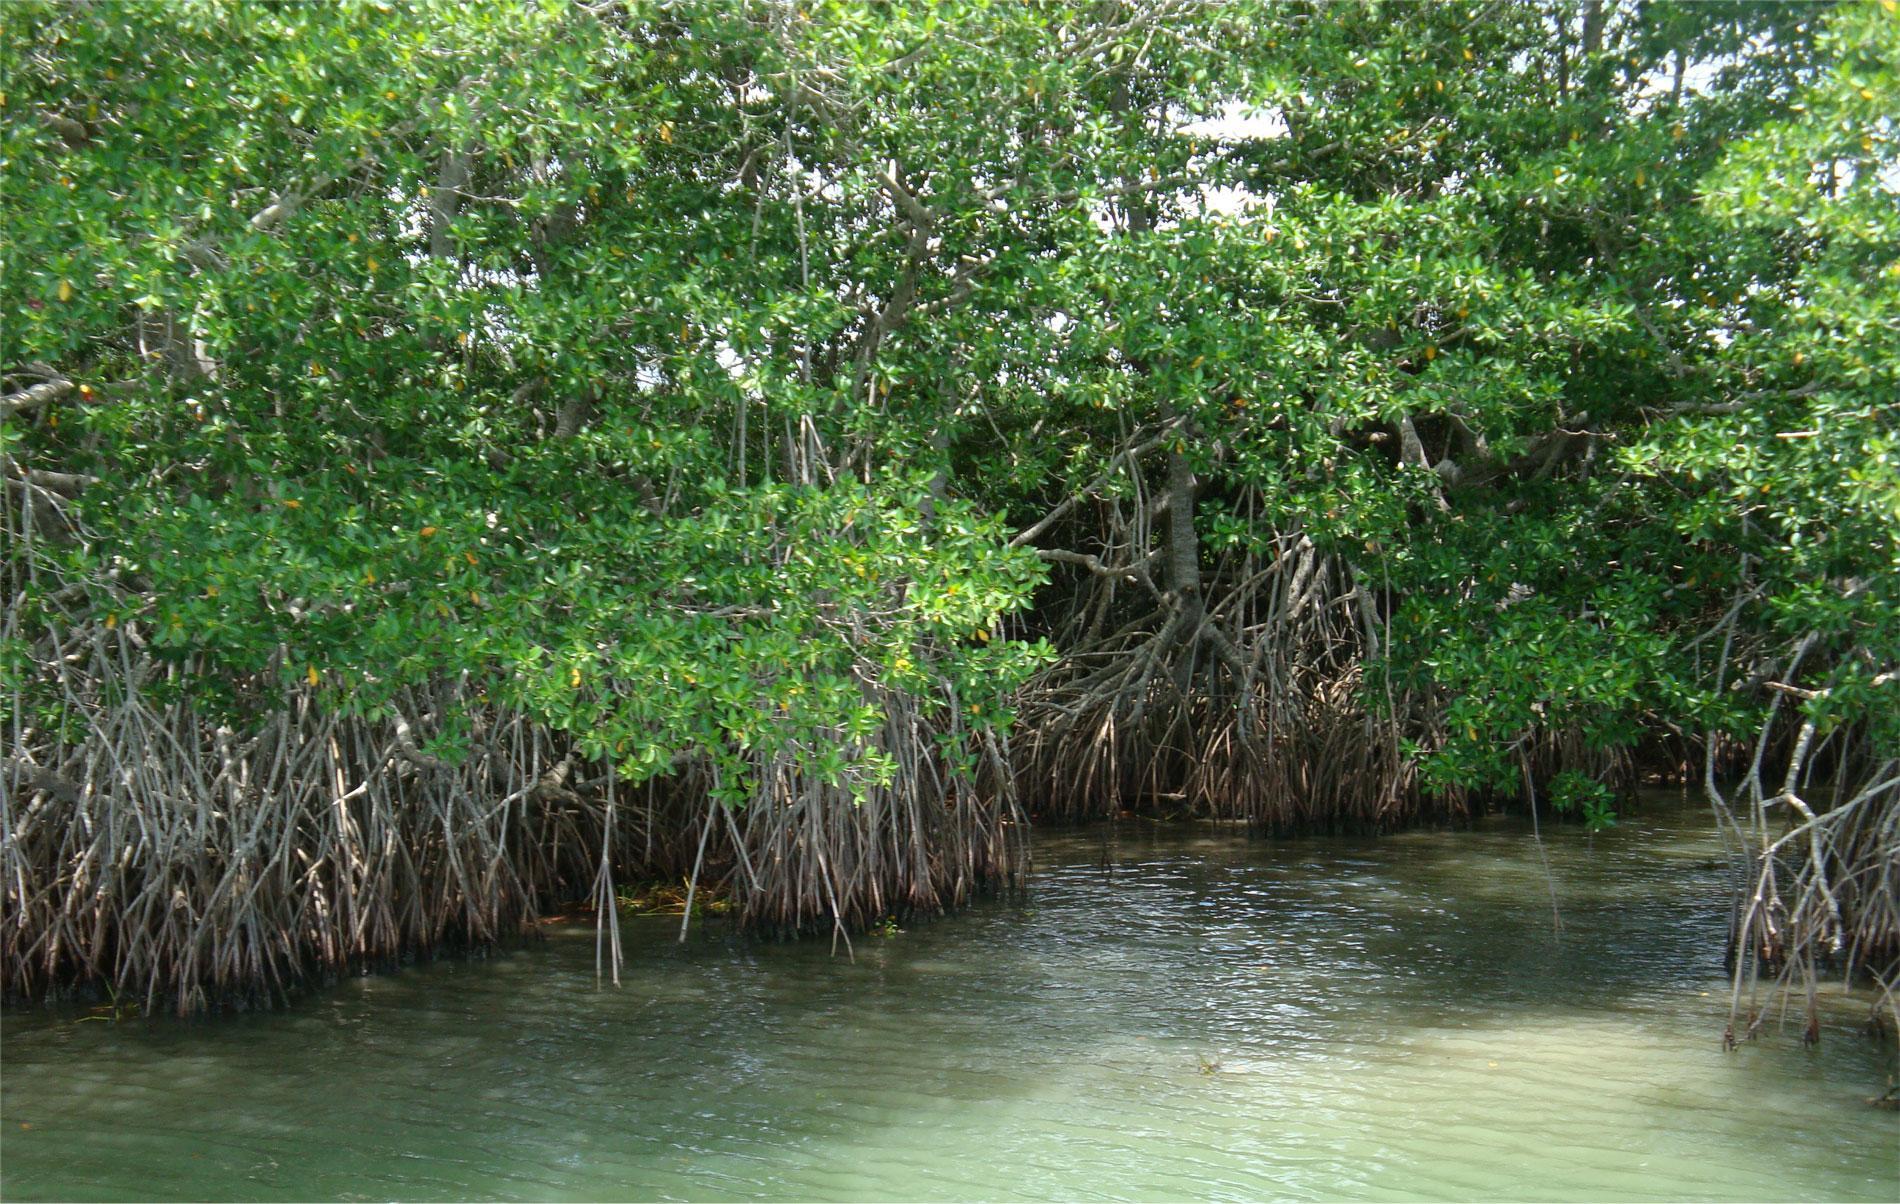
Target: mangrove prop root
176	862
1249	705
1813	832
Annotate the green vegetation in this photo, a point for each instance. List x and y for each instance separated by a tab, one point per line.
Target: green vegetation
457	455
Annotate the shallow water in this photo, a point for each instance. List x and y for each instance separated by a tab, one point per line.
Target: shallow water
1212	1018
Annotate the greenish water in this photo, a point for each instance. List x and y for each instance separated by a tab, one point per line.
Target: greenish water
1213	1019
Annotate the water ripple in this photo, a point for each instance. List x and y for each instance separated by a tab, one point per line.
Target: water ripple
1207	1018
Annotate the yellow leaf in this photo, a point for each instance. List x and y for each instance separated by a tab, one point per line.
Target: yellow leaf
211	591
372	263
311	676
1438	85
1468	55
427	531
111	622
1431	353
369	576
1640	177
574	678
1866	93
1472	732
666	131
65	290
292	503
983	635
469	556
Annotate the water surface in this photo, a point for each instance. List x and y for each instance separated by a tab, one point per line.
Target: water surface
1207	1018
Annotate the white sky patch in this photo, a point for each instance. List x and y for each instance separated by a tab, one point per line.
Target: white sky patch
1227	201
1236	123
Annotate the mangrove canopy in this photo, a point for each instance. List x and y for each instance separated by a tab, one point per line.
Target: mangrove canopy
460	457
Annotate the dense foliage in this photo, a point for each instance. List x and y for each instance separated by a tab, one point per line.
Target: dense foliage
838	417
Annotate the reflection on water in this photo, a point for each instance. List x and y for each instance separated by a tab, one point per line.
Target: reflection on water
1208	1018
